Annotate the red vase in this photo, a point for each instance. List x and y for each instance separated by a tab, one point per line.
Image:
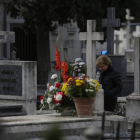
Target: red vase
84	106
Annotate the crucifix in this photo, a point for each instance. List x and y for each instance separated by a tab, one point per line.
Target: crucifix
110	23
128	34
91	37
117	41
7	37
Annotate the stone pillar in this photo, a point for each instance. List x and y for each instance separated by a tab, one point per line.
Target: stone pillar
133	100
99	101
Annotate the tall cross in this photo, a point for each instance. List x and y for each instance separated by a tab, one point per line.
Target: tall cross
117	41
137	32
7	37
91	37
110	23
128	34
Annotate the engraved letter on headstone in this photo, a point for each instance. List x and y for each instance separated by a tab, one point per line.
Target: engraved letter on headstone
10	80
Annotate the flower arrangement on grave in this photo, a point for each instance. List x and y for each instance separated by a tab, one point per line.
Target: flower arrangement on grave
81	86
54	98
72	82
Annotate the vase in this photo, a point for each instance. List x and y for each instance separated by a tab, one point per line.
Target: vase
84	106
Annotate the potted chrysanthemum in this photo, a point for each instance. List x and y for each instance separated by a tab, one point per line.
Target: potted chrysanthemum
83	90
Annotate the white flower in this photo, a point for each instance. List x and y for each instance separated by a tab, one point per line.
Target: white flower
54	76
42	101
51	88
81	63
77	59
59	97
87	90
49	100
89	80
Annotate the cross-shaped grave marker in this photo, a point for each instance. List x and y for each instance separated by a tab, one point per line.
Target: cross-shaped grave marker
128	34
110	23
117	41
137	32
91	37
7	37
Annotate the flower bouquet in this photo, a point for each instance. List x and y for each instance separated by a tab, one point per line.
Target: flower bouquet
55	99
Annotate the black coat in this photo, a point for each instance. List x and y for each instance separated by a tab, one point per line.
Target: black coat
111	82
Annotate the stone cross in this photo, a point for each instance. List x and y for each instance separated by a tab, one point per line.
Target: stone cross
7	37
63	42
91	37
117	41
133	100
110	23
128	34
136	64
137	32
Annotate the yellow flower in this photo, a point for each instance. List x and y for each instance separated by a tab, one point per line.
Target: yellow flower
97	88
65	88
79	82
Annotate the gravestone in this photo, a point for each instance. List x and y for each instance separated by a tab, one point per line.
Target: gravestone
18	84
137	32
122	46
133	100
128	28
18	80
7	37
117	42
91	37
110	23
129	53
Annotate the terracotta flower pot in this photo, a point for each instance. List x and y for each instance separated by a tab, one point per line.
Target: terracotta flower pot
84	106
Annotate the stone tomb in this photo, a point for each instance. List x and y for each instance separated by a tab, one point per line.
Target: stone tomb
18	84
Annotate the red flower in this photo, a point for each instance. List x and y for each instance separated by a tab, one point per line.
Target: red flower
41	97
58	85
58	67
55	97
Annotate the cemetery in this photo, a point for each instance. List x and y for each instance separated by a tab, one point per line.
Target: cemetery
70	103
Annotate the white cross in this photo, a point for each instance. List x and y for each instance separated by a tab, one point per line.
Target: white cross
117	41
137	32
91	37
128	34
7	37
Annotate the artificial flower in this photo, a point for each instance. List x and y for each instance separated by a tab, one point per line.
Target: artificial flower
58	97
41	97
58	67
79	82
51	88
54	76
81	63
49	100
48	85
64	88
58	85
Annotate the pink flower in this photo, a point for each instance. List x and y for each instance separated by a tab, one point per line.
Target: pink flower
79	70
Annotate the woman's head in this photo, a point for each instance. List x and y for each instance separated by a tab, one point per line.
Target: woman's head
103	62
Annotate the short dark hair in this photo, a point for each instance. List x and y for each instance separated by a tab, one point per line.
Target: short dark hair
103	59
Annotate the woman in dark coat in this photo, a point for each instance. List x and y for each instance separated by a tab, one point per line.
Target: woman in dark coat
111	81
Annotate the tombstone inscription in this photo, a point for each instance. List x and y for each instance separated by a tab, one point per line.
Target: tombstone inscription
110	23
10	80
